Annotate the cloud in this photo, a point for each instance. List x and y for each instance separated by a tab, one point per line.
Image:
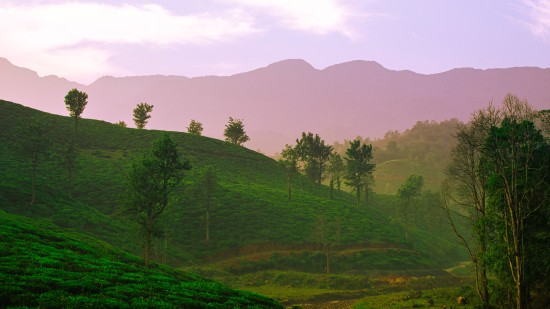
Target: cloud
79	38
314	16
539	11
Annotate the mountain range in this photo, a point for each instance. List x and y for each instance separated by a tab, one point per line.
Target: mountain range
281	100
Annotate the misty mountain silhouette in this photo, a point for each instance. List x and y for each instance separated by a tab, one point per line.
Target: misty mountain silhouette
281	100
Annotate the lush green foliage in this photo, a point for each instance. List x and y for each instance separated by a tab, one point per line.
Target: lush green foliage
290	161
121	123
195	127
253	211
394	290
336	171
518	160
42	266
500	176
35	147
76	101
206	187
359	169
141	114
314	155
422	150
234	132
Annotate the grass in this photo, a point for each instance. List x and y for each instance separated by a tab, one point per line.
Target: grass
398	290
433	298
251	212
43	266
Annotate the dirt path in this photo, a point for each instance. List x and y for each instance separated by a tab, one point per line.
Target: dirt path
334	304
264	255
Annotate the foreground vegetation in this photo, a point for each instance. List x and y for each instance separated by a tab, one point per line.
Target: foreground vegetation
43	266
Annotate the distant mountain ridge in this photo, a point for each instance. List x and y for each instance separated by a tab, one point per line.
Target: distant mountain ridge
281	100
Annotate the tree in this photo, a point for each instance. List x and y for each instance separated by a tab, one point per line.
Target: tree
369	183
358	166
336	170
408	192
327	235
35	146
315	155
122	124
207	186
67	156
543	119
517	156
141	114
76	101
466	187
195	128
234	132
500	175
290	160
150	182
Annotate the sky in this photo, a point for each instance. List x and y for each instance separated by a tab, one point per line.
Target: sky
84	40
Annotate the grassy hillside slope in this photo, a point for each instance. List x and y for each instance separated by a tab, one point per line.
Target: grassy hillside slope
252	213
41	265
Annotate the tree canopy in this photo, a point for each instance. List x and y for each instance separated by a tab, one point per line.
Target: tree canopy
358	157
142	114
151	180
290	160
315	155
195	127
76	101
234	132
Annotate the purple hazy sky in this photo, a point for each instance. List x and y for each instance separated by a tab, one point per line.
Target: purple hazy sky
84	40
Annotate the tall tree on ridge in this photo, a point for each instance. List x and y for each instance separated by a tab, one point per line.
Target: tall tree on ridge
358	166
315	155
141	114
195	128
337	169
234	132
290	160
76	101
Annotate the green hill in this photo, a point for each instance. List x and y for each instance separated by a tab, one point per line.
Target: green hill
252	214
43	266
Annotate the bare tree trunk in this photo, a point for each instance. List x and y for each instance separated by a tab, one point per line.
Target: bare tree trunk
358	189
70	182
148	232
165	251
33	181
207	225
406	221
331	187
366	195
289	181
327	254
